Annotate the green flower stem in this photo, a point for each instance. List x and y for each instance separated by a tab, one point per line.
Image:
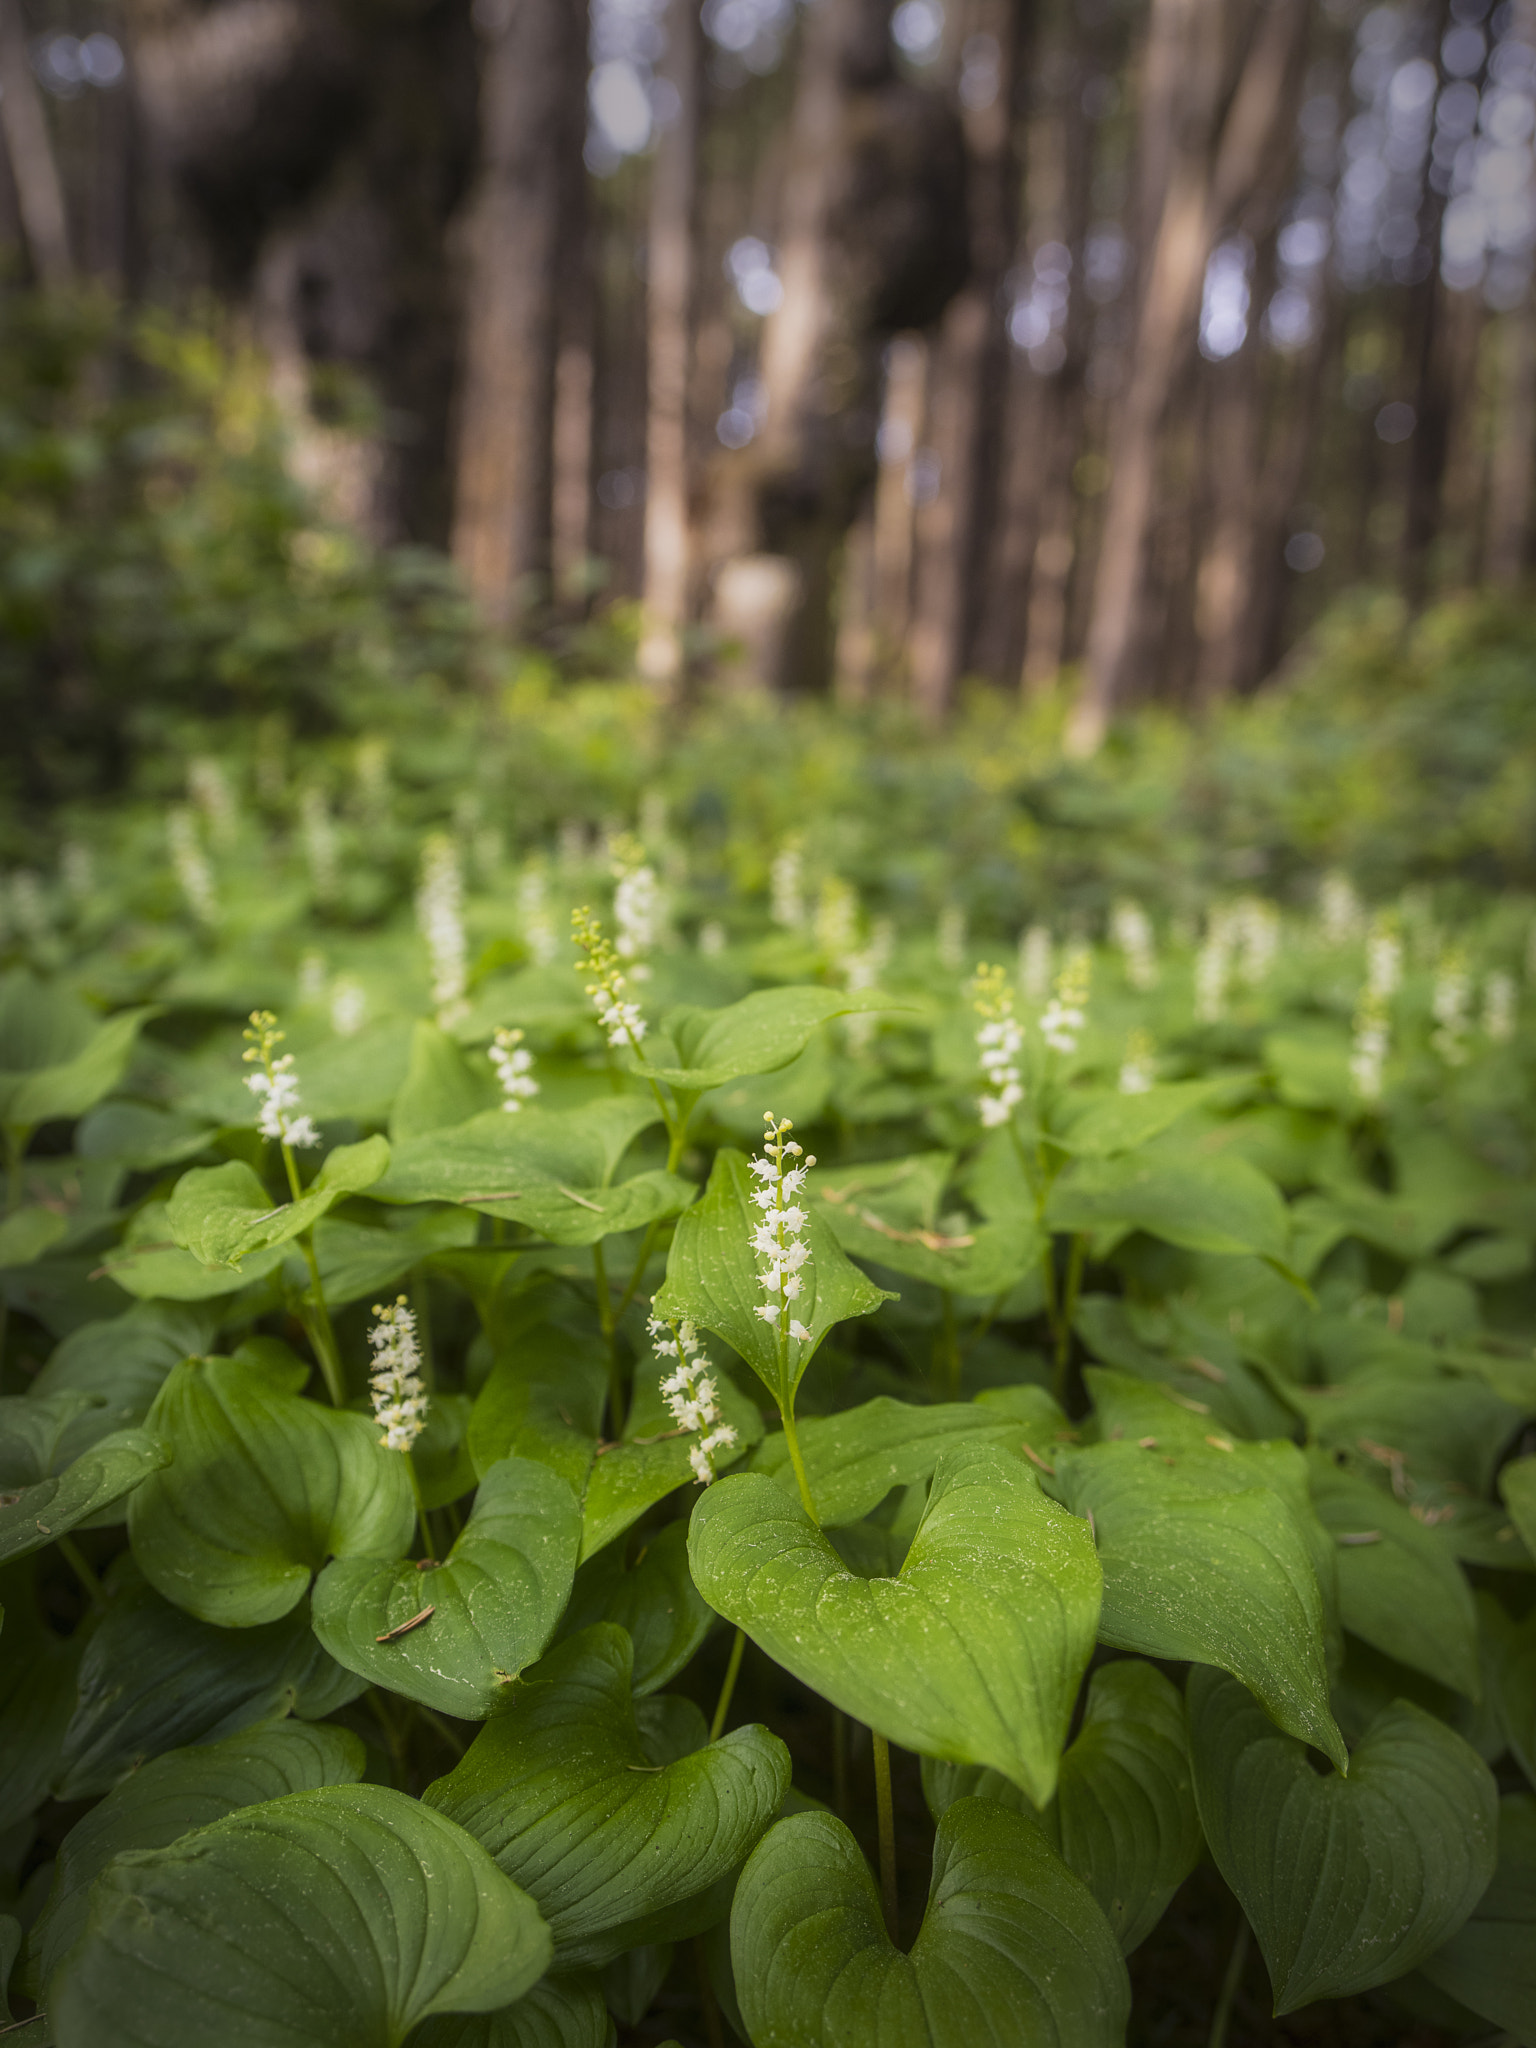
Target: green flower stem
1068	1313
1224	1998
74	1557
792	1438
840	1764
608	1323
727	1687
421	1505
949	1344
647	1246
885	1814
317	1326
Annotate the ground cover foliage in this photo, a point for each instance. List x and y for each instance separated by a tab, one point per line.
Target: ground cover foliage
485	1522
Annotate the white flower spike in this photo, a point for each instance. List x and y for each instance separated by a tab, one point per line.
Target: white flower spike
1065	1014
514	1070
400	1401
999	1041
779	1240
276	1086
620	1019
690	1394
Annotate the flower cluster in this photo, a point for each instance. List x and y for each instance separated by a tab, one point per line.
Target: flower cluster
1131	929
1449	1005
636	906
1338	909
321	852
785	887
191	865
208	787
621	1020
1373	1012
837	920
1213	967
1138	1070
949	939
538	926
514	1070
999	1041
1036	951
779	1240
1254	925
691	1395
1499	1007
399	1398
1064	1016
440	919
276	1087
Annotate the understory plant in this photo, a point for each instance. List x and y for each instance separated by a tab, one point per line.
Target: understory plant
761	1474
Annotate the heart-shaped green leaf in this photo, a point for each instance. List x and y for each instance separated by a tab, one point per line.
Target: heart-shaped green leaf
1205	1558
1490	1965
151	1266
887	1213
27	1233
37	1694
559	2012
1517	1483
655	1601
330	1918
601	1833
1012	1948
543	1400
1399	1589
31	1516
494	1601
263	1487
652	1461
122	1363
551	1170
360	1262
1206	1205
221	1214
712	1278
1124	1813
440	1089
973	1652
152	1678
1097	1126
68	1087
758	1035
1512	1659
1346	1882
855	1458
176	1793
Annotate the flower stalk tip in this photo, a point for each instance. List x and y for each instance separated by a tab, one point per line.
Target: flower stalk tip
400	1400
276	1086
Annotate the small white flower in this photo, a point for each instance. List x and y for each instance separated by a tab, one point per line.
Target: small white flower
1062	1021
349	1008
1499	1007
320	847
514	1069
786	889
1138	1071
1450	1005
440	919
1131	930
691	1395
779	1240
191	866
538	928
999	1040
275	1085
400	1400
1338	909
1034	972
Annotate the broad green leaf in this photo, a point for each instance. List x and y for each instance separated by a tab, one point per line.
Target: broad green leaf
263	1486
1512	1658
31	1516
69	1087
758	1035
712	1278
27	1233
440	1089
170	1796
138	1135
1206	1559
1164	1350
445	1471
1517	1483
543	1400
359	1262
121	1363
1012	1949
654	1601
221	1214
855	1458
33	1431
551	1170
1124	1813
973	1652
559	2012
1431	1430
1490	1965
494	1600
1108	1123
152	1678
1347	1882
1205	1205
1399	1589
151	1266
334	1918
888	1213
561	1791
652	1460
37	1693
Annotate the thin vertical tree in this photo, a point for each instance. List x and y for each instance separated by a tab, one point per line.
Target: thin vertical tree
29	149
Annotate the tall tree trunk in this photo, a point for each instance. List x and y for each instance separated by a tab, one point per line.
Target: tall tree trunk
29	147
1512	470
1214	170
968	371
531	106
669	324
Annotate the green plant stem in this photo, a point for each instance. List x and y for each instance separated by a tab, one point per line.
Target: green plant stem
840	1764
886	1818
1229	1983
792	1438
713	2030
317	1325
75	1558
727	1686
984	1323
647	1245
392	1737
609	1328
421	1506
1068	1313
1048	1282
440	1728
949	1341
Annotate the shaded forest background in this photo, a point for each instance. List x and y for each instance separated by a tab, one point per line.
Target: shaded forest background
840	345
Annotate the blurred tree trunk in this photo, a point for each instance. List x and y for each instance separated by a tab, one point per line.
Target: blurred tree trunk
669	321
29	150
532	100
1216	160
1512	470
968	365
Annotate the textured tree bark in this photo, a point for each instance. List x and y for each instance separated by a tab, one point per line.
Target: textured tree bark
1512	470
531	103
670	267
968	371
1214	169
29	148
